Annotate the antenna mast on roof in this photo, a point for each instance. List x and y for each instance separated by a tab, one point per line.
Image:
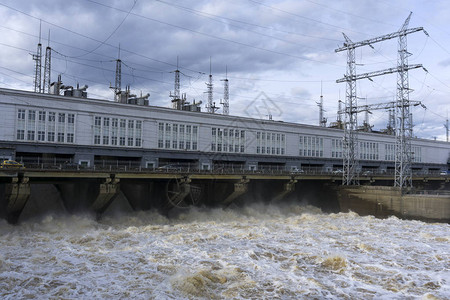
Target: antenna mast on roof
118	81
226	94
210	106
322	119
47	67
177	102
446	127
38	65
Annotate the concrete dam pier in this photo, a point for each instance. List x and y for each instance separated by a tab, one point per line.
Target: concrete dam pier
94	192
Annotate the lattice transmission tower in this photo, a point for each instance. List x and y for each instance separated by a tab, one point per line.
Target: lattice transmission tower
404	124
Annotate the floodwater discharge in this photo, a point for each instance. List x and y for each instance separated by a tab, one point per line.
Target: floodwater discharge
255	252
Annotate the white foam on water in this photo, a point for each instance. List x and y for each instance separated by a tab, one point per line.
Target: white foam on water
259	251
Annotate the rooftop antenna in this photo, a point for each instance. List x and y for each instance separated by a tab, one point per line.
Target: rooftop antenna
47	67
366	118
176	99
339	114
226	94
446	126
322	120
210	106
118	81
38	63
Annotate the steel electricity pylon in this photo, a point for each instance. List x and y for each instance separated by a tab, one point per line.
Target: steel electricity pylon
404	124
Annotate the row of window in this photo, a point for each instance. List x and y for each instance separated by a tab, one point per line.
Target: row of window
416	153
368	150
270	143
52	126
177	136
45	126
227	140
311	146
117	132
336	148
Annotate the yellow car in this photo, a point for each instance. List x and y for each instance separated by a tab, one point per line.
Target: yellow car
11	164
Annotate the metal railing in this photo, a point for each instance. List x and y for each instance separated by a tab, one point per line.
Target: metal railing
64	165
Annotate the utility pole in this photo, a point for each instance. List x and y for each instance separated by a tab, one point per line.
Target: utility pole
350	162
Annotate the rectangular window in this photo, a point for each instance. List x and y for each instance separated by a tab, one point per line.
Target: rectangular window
70	118
30	135
20	134
194	137
61	117
96	140
181	137
51	117
114	140
70	137
175	136
167	136
41	136
31	115
41	116
50	136
60	137
21	114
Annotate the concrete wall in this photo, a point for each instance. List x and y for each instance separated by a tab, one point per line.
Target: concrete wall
385	201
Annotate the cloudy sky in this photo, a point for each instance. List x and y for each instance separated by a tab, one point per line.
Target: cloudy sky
279	54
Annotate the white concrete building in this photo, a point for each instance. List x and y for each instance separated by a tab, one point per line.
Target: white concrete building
44	127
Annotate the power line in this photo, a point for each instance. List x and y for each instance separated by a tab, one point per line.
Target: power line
220	38
205	14
114	31
305	18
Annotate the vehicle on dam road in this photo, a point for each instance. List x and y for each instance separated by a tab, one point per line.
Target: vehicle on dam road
11	164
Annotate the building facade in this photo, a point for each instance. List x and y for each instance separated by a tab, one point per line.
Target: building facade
89	132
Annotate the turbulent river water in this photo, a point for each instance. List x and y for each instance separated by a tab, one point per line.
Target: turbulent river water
255	252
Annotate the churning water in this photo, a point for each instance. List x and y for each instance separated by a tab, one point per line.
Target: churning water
255	252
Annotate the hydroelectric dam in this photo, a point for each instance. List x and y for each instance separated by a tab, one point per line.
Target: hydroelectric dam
89	190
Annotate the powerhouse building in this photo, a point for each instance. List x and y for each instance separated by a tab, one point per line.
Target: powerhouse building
37	127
